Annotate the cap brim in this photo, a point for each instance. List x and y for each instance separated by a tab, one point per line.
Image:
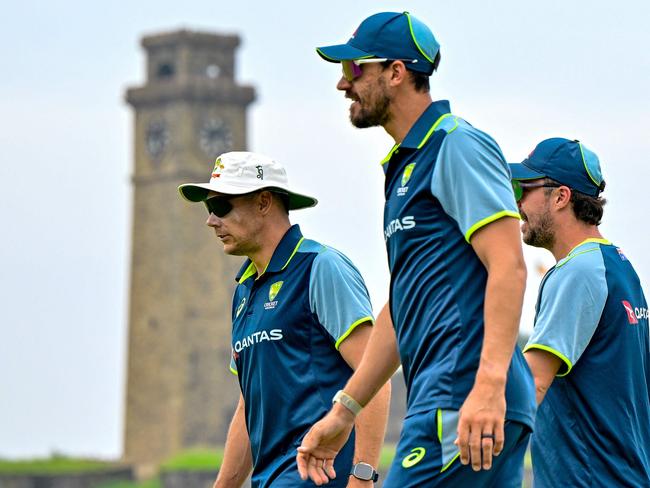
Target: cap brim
198	192
341	52
298	201
520	171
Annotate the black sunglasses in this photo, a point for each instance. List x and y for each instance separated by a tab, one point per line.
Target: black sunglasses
520	187
220	205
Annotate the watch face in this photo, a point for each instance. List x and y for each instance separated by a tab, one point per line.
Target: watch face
215	137
363	471
156	139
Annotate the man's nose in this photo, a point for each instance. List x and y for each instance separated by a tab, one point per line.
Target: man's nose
213	220
343	84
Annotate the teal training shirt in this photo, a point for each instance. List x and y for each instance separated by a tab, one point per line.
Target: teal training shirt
445	181
288	324
593	427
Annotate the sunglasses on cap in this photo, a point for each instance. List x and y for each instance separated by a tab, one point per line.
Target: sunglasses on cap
352	67
220	205
520	187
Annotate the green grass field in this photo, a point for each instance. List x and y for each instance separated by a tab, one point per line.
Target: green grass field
53	465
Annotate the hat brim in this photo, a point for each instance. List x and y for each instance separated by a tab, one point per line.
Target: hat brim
519	171
341	52
198	192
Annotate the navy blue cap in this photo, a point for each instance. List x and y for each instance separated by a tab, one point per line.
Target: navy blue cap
390	35
565	161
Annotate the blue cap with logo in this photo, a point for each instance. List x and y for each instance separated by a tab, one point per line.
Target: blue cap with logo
390	35
565	161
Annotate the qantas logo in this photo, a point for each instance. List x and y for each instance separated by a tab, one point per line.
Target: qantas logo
397	225
634	314
256	338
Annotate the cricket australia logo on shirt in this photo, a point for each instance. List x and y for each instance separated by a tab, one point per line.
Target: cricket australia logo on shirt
273	292
406	176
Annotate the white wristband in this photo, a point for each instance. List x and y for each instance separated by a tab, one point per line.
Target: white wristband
348	402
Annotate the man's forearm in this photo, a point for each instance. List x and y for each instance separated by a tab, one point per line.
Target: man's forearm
380	360
237	459
370	427
503	301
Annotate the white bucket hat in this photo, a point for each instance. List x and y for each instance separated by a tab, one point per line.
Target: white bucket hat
239	172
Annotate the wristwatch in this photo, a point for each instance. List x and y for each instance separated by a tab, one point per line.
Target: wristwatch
364	472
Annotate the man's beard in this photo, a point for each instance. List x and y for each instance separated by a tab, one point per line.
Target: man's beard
541	234
375	112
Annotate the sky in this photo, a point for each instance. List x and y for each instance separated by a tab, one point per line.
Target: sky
521	71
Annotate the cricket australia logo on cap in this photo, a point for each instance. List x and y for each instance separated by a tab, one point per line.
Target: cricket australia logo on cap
218	168
406	176
273	292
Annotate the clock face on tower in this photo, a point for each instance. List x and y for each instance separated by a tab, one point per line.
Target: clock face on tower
156	139
215	137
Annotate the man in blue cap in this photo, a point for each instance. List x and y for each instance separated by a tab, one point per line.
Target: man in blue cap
451	227
589	351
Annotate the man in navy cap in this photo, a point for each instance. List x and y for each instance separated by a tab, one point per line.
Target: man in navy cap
451	227
589	351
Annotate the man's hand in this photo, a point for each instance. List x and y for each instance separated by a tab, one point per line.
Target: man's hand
480	424
322	443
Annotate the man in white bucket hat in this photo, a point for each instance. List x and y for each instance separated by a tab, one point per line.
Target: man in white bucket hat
301	319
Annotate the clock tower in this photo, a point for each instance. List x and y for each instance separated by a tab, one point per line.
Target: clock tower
180	393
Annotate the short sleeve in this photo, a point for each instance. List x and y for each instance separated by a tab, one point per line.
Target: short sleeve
338	295
471	180
570	308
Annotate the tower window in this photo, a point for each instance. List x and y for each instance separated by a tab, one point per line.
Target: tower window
165	70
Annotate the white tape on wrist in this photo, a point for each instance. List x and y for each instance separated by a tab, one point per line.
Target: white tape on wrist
348	402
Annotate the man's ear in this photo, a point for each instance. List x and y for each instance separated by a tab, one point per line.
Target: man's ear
264	201
562	197
398	73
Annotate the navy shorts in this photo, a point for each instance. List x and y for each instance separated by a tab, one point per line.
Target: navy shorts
427	457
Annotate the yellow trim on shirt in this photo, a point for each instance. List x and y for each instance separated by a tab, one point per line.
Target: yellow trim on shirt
351	329
489	220
554	352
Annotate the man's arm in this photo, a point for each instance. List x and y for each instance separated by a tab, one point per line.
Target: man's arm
544	367
324	440
498	246
237	458
370	424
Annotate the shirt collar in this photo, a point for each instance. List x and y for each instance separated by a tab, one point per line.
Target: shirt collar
422	127
284	252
